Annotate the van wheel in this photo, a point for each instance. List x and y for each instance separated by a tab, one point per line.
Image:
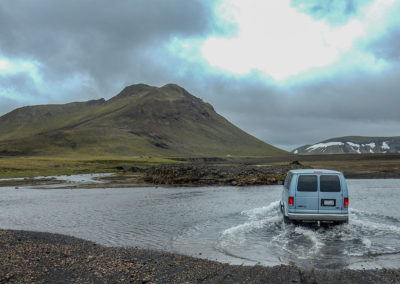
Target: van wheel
286	220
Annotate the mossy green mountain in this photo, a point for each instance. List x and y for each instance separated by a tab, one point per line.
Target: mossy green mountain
140	120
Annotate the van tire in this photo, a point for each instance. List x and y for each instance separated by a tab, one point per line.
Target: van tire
286	220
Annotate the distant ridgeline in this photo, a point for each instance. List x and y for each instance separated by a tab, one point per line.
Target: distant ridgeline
140	120
352	144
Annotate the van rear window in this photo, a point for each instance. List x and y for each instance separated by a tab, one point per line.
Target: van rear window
329	183
307	183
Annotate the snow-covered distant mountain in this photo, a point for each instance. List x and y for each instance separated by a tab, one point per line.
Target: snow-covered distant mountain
352	144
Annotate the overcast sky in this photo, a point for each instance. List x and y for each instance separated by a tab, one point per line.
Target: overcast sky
287	71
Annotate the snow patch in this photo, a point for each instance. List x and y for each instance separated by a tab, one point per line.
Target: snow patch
371	145
354	145
385	146
296	151
323	145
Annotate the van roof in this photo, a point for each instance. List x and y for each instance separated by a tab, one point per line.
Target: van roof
314	171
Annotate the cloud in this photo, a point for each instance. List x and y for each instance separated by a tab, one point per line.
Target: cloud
358	102
281	41
8	104
335	12
288	72
112	44
276	39
387	46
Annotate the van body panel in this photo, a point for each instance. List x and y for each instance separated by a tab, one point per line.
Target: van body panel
330	201
317	217
318	196
306	193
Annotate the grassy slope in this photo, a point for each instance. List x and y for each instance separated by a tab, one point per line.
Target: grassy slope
141	120
30	120
48	166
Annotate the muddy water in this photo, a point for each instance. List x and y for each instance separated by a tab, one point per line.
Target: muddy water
240	225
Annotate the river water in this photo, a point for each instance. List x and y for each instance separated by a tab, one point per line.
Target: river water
239	225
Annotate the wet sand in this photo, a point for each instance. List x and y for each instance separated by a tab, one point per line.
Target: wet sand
34	257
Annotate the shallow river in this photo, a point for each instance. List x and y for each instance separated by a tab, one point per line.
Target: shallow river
240	225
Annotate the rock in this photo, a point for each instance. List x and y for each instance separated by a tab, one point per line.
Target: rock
200	174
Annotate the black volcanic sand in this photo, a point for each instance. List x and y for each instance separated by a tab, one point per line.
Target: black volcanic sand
32	257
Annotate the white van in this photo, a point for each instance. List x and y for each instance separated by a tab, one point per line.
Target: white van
311	195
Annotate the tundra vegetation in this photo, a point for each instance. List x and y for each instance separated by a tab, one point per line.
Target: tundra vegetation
145	126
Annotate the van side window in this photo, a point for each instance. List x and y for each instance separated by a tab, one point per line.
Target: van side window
307	183
329	183
288	180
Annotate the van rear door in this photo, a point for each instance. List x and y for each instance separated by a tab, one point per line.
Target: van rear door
306	198
330	195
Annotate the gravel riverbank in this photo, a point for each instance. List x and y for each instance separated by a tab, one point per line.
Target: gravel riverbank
28	257
174	175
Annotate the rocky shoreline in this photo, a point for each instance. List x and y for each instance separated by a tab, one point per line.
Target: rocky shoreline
34	257
199	174
203	175
177	175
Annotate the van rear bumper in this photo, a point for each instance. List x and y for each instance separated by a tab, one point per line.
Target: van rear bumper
318	217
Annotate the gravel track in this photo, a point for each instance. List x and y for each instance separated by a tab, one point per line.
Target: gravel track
34	257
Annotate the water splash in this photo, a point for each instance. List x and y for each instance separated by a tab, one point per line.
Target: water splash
261	212
265	233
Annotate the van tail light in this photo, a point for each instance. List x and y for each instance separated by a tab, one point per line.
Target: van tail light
346	202
291	200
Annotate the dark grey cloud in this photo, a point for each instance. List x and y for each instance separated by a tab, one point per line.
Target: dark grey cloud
91	49
8	104
341	105
112	42
20	82
387	46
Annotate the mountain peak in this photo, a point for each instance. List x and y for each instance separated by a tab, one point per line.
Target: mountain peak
173	87
171	90
132	90
140	120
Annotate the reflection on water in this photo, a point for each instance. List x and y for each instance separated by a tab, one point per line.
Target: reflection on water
229	224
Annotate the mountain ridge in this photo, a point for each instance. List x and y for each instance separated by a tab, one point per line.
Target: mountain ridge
139	120
352	144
